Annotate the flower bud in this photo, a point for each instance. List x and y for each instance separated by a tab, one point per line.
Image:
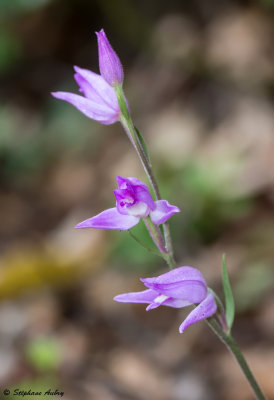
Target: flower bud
110	66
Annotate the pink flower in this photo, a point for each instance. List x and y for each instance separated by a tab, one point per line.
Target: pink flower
99	101
180	287
133	202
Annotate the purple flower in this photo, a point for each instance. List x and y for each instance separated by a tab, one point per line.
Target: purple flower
99	101
177	288
133	201
110	66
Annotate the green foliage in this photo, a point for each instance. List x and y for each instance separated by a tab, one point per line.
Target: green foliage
143	143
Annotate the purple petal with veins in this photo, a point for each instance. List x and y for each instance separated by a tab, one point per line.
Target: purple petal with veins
110	219
179	274
98	111
96	88
204	310
121	181
146	296
110	65
133	197
162	212
193	291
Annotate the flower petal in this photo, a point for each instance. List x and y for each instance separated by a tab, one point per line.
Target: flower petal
110	219
139	209
96	88
145	296
176	275
162	212
142	194
158	301
98	112
191	291
121	181
204	310
176	303
138	188
110	65
185	283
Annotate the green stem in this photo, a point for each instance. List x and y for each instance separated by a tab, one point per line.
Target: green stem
157	237
155	234
153	251
130	130
128	125
230	343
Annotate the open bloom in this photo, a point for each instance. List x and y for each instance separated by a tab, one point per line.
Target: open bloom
177	288
99	101
133	201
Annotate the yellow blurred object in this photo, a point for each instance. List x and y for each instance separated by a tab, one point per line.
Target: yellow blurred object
31	266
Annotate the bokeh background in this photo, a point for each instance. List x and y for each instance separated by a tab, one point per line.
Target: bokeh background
199	77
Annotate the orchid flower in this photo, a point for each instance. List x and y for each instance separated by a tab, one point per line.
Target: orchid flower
180	287
99	101
133	202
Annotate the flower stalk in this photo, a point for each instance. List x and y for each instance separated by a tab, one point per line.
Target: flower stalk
128	126
155	234
232	346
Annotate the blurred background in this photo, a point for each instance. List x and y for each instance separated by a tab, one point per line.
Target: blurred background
200	81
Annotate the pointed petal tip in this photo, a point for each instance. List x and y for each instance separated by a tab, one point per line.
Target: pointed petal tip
109	63
82	225
101	32
181	330
117	297
204	310
76	68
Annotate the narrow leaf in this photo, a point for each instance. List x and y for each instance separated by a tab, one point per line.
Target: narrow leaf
229	300
153	251
143	143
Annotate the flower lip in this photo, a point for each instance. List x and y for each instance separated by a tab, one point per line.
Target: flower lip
133	197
